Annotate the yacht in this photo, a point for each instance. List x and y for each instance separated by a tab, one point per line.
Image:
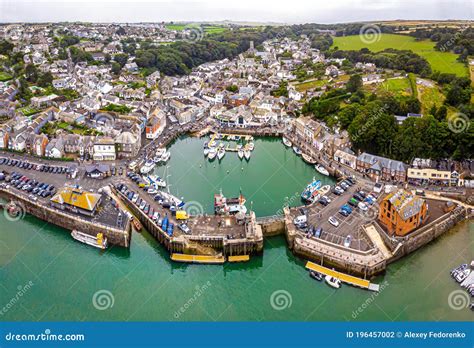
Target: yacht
98	241
212	153
247	154
297	150
166	156
321	169
221	153
154	179
147	167
287	142
332	281
240	153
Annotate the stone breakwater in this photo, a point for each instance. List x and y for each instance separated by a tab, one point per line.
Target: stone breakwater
115	236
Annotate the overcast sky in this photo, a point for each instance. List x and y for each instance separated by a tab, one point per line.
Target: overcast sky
289	11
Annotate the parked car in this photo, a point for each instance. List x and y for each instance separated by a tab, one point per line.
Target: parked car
333	221
362	206
338	190
183	227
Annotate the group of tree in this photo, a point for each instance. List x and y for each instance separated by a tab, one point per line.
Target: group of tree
389	59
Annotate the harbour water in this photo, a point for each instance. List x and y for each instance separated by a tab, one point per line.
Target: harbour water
45	275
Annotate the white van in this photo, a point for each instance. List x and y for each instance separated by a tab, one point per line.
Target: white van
300	220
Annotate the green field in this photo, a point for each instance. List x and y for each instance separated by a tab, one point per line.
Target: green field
4	76
210	29
429	97
214	29
441	61
175	26
301	87
399	86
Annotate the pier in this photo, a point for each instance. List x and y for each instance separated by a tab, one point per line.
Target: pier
346	278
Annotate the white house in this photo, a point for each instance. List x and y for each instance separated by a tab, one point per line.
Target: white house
104	149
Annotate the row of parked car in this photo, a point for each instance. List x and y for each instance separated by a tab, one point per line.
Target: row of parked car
32	186
33	166
162	221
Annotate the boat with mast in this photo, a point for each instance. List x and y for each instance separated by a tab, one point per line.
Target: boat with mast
310	188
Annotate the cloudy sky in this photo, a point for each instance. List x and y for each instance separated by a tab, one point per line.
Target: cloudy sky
289	11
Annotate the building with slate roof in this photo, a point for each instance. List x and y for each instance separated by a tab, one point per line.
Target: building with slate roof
381	168
401	212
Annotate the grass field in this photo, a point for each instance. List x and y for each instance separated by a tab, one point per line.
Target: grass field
210	29
213	29
440	61
429	96
301	87
399	86
175	26
4	76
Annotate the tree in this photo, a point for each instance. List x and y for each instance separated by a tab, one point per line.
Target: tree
232	88
121	58
116	68
354	83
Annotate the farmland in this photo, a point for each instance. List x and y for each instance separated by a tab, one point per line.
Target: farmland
441	61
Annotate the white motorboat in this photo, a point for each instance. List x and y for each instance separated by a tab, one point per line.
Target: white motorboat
98	241
321	169
247	154
160	151
240	153
221	153
250	146
308	159
287	142
154	179
147	167
165	157
332	281
157	159
212	153
297	150
206	151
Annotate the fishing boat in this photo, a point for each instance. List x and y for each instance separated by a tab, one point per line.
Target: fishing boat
136	224
98	241
220	153
212	153
223	205
321	169
247	154
310	188
287	142
332	281
147	167
297	150
251	146
308	159
240	153
166	156
316	275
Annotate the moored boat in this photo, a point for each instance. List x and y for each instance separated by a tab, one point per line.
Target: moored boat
220	153
212	153
321	169
98	241
332	281
247	154
250	146
240	153
310	189
136	224
316	275
166	156
287	142
297	150
308	159
147	167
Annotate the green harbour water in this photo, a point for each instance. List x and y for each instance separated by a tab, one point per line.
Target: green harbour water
142	283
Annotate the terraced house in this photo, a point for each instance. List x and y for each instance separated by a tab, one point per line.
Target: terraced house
381	168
